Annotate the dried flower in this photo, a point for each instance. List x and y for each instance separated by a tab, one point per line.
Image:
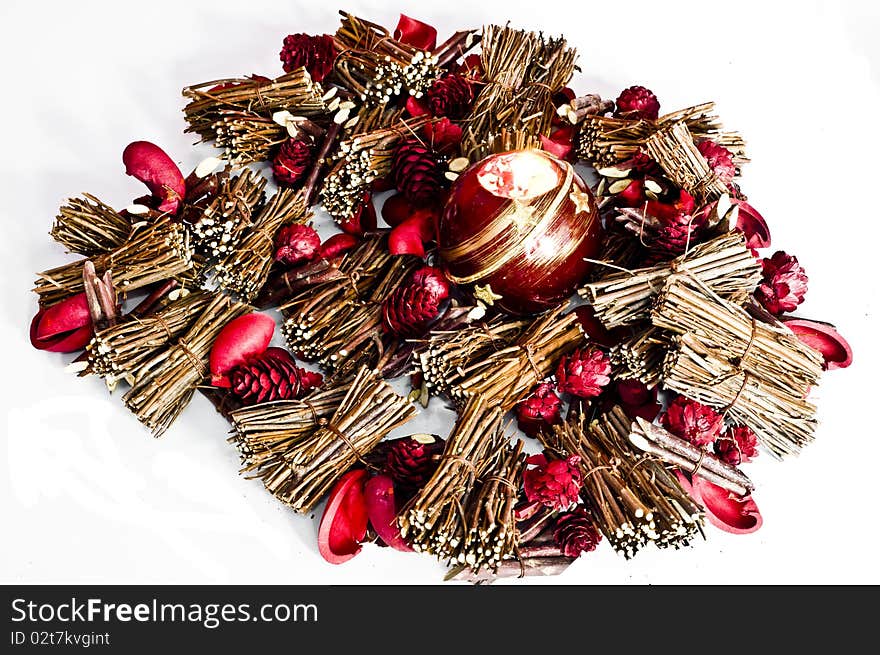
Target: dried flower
315	53
296	243
583	373
575	532
693	421
737	444
292	162
539	410
720	160
637	102
784	284
555	483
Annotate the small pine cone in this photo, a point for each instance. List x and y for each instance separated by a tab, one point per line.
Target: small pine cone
784	285
292	162
554	483
451	96
575	532
637	102
273	375
295	244
583	373
315	53
417	172
720	160
411	307
411	461
539	410
693	421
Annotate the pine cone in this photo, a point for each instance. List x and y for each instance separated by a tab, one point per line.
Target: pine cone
693	421
292	163
539	410
412	306
316	53
417	173
737	445
720	160
295	244
451	96
583	373
637	102
575	532
554	483
411	461
273	375
784	285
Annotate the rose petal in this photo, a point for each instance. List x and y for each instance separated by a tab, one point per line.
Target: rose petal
241	338
64	327
415	33
337	244
151	165
344	522
725	510
750	222
823	337
409	237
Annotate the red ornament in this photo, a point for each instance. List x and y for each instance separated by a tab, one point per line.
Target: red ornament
554	483
315	53
520	224
295	244
539	410
637	102
575	532
584	373
784	285
693	421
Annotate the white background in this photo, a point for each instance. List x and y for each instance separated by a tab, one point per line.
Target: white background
88	496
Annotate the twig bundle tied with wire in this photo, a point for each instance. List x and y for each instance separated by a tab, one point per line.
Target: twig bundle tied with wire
246	137
295	92
724	263
758	373
264	432
673	147
244	269
522	71
86	226
152	253
165	383
634	499
509	374
605	141
360	161
310	467
118	352
464	513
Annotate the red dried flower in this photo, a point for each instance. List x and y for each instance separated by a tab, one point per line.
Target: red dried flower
728	451
693	421
784	285
554	483
412	306
720	160
575	532
637	102
272	375
295	244
583	373
412	461
451	96
292	162
315	53
740	439
539	410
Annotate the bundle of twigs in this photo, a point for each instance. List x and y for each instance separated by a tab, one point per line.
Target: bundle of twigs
89	227
246	136
265	431
507	375
679	452
443	356
673	147
464	513
152	253
219	228
311	466
522	71
244	270
724	263
360	161
165	383
606	141
759	373
118	352
295	92
633	497
641	355
314	311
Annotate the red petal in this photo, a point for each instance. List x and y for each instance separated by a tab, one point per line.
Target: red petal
823	337
417	107
752	224
337	244
724	510
415	33
363	219
151	165
559	144
59	319
344	523
382	511
242	338
409	237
